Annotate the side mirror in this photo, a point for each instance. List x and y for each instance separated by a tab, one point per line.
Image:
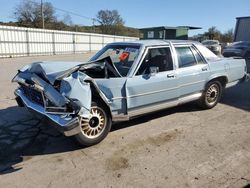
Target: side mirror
153	70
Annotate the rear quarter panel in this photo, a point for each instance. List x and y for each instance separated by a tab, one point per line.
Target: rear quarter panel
233	69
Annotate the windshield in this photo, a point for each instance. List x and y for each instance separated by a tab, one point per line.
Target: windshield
210	42
122	56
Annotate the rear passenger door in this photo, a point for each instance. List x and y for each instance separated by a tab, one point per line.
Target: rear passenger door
192	70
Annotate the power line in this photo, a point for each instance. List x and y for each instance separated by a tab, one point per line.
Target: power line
76	14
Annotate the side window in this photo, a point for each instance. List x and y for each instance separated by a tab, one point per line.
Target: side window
185	57
150	34
160	58
197	56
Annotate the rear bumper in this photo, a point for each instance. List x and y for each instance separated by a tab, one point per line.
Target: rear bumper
232	54
67	125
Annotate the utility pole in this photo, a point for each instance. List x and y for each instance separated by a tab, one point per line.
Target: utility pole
42	13
93	24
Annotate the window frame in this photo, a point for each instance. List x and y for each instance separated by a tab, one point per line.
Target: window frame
153	47
192	48
189	47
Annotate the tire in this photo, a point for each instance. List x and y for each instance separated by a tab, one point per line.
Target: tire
97	128
211	96
247	55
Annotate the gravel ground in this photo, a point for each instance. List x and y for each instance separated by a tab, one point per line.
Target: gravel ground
178	147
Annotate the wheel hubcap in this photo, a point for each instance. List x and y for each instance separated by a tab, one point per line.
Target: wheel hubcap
96	124
212	94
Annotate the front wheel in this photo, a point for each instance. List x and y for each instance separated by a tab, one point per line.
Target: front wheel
211	95
97	128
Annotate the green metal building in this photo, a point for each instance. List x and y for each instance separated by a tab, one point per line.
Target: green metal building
165	32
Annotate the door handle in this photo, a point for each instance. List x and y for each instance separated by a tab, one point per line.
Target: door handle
170	75
204	69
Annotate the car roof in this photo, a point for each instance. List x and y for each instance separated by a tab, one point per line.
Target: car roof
155	42
210	40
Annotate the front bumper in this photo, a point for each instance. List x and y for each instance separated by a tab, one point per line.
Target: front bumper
67	125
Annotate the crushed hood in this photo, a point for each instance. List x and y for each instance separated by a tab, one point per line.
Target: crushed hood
57	70
52	70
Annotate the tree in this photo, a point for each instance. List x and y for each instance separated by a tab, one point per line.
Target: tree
67	20
228	36
110	21
213	33
28	13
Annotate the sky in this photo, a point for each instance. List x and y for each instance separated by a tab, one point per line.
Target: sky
148	13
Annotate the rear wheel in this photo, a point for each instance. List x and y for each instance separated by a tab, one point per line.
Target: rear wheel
247	55
211	95
97	128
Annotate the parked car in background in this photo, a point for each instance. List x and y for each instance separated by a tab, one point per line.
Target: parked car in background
238	49
213	45
122	81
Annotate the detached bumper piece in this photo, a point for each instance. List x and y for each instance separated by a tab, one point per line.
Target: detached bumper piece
246	77
65	123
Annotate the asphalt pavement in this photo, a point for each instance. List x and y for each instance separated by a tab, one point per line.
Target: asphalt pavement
178	147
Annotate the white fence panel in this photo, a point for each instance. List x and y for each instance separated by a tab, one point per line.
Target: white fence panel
20	41
108	39
119	39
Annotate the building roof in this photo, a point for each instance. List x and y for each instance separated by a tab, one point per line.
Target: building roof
245	17
191	27
174	28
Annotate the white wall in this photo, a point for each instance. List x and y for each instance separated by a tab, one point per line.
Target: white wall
21	41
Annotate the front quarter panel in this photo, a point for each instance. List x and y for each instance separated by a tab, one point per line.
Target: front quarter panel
75	88
114	91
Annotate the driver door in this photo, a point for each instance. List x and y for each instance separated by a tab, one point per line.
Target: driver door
155	85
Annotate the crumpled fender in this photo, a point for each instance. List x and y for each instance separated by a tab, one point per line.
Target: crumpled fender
75	88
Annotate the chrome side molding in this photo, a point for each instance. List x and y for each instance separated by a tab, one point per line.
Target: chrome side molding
168	104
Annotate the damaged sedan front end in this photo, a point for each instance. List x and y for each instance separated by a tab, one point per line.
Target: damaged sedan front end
62	97
59	105
70	95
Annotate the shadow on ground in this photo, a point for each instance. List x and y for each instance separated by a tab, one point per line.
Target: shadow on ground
27	137
23	136
238	96
247	186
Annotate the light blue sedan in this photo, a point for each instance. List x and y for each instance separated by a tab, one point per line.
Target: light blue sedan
123	81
